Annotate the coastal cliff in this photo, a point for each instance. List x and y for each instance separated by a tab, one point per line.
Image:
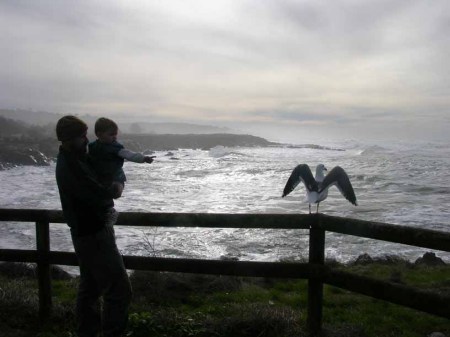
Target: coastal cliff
162	142
30	145
40	151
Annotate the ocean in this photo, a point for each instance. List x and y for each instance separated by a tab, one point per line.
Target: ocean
398	183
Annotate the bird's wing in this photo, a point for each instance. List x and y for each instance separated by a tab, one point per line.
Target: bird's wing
338	177
301	173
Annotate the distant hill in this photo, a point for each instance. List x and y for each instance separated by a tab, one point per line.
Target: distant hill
30	117
135	126
25	144
171	128
191	141
10	127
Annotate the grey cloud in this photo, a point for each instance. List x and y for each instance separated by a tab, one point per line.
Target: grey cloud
362	28
341	62
337	27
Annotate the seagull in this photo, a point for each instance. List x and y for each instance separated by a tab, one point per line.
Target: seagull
317	188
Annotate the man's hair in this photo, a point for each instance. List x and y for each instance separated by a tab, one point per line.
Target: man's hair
105	124
69	127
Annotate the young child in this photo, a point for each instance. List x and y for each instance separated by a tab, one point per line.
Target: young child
107	155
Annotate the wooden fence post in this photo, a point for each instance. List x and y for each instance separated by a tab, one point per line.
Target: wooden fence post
315	284
43	269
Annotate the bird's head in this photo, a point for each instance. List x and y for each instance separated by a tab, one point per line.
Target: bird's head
320	169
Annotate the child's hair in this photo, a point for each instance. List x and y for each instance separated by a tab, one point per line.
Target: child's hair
105	124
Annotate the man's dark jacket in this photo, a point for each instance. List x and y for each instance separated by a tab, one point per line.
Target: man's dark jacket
85	202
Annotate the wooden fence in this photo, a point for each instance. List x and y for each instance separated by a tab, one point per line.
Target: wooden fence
315	270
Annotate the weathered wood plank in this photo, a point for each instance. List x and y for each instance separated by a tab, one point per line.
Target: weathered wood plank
18	255
427	301
31	215
215	220
314	271
413	236
375	230
315	285
43	270
213	267
139	219
218	267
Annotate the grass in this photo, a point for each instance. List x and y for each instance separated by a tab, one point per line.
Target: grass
171	304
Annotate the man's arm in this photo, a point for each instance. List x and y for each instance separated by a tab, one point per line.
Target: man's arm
83	186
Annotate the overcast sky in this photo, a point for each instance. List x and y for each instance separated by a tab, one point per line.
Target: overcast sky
352	68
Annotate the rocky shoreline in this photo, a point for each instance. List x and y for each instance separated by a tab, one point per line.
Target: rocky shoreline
41	151
170	142
24	144
19	151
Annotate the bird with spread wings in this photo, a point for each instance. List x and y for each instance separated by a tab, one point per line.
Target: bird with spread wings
317	187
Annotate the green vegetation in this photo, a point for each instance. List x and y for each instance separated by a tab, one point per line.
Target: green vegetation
172	304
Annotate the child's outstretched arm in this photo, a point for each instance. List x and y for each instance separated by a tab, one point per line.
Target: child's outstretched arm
135	157
149	159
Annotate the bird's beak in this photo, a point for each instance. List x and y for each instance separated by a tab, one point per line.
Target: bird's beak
325	169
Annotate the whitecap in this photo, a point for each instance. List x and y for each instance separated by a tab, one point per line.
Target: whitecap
372	150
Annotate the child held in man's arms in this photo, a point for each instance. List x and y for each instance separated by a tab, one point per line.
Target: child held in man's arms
107	155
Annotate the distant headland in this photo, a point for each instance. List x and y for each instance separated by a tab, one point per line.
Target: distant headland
23	144
33	141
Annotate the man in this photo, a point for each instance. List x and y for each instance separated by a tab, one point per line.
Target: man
88	209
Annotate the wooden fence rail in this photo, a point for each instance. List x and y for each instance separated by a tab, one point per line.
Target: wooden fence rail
315	270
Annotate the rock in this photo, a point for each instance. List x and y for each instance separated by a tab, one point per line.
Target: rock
363	259
429	259
332	262
392	260
17	269
58	273
229	258
28	270
12	156
436	334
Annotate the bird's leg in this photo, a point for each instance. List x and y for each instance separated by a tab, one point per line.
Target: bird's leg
317	209
309	208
